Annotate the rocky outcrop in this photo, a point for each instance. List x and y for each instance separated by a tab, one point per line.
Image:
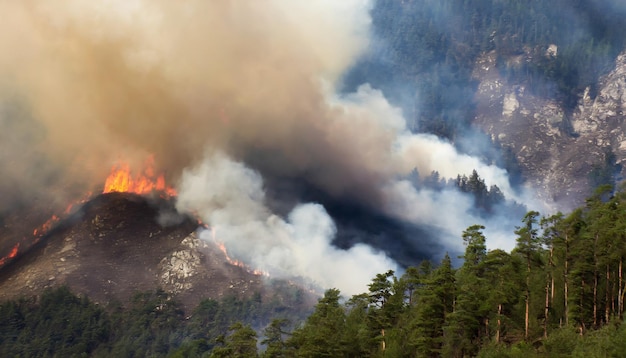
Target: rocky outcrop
557	150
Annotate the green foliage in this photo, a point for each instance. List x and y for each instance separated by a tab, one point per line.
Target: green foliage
561	342
319	336
61	324
436	302
274	341
58	323
560	293
241	342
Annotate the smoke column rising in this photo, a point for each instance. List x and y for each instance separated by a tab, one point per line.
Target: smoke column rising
225	94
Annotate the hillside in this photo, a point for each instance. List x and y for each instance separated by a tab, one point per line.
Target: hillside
114	247
451	172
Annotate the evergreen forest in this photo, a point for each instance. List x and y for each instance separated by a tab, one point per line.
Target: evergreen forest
559	293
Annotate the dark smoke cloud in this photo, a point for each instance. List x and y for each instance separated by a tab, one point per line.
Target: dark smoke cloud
236	100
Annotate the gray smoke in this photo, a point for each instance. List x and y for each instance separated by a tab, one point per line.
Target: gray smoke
225	94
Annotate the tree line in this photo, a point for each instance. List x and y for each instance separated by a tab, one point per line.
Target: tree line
59	323
559	292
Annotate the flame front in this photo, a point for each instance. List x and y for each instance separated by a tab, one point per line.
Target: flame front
121	180
11	254
234	262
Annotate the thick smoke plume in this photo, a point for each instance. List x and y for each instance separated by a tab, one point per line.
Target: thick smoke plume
233	99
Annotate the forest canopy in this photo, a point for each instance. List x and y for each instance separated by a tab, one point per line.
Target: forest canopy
560	292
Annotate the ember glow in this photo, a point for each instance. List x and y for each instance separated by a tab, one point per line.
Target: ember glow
45	227
234	262
122	180
11	254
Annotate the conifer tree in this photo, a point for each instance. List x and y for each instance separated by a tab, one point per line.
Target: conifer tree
528	245
466	325
274	342
240	343
319	337
436	300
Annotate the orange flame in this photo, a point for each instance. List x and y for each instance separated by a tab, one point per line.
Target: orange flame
11	254
121	180
234	262
46	226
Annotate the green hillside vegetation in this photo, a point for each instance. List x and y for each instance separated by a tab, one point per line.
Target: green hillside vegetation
559	293
59	323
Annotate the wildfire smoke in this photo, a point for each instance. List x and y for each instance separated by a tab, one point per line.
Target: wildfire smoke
237	102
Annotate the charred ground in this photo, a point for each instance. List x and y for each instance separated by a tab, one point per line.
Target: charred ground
118	244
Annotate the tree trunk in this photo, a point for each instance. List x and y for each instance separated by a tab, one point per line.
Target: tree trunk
595	300
607	308
552	275
499	323
549	293
613	296
383	346
526	315
487	328
582	308
565	280
545	311
620	298
595	282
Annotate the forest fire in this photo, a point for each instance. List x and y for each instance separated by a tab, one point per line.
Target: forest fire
43	228
122	180
235	262
10	255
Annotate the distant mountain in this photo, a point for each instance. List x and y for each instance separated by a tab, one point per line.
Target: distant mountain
534	87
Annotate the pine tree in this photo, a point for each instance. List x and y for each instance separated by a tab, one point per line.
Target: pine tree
503	281
356	336
386	295
240	343
528	245
319	337
274	342
467	324
436	300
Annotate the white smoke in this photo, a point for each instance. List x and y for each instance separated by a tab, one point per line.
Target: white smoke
229	196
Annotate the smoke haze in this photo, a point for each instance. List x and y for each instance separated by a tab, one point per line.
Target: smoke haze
234	99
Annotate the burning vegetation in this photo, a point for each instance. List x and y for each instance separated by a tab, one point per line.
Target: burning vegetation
121	179
234	262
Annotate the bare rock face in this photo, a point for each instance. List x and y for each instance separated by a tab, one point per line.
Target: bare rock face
178	269
603	117
556	150
115	247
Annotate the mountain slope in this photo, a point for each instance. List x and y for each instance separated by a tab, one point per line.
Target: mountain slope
114	246
563	154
